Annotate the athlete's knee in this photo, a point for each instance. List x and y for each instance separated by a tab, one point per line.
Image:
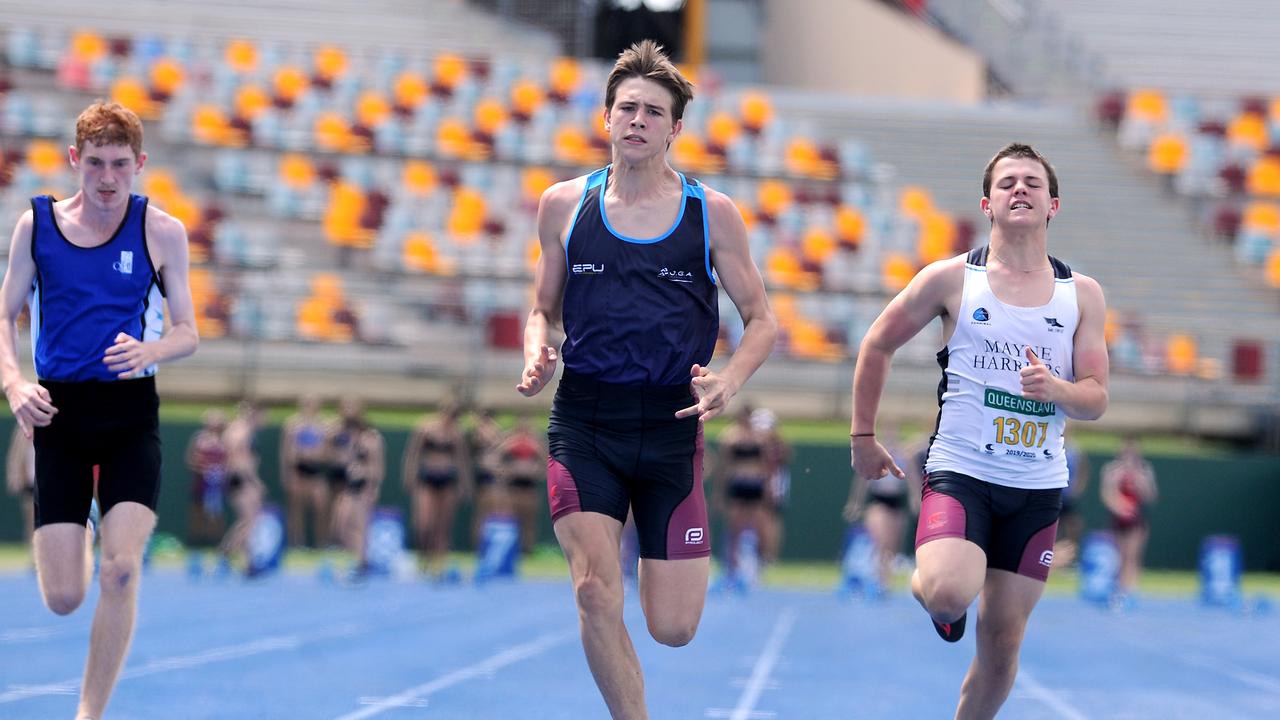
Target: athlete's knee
673	632
118	574
597	596
64	600
945	602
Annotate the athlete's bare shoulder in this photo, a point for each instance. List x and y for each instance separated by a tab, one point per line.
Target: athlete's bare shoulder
163	227
1088	286
562	198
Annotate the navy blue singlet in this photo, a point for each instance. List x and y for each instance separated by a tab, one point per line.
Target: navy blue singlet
639	311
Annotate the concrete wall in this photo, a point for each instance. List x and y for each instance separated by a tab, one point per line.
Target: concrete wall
863	47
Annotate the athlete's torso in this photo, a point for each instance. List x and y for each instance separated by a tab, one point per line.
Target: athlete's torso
986	429
83	297
638	311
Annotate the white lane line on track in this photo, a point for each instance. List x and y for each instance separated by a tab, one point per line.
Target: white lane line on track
483	668
759	680
1055	701
1231	670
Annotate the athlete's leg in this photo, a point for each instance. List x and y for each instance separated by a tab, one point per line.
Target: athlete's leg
885	527
1007	601
527	504
590	541
949	573
64	564
444	509
672	593
125	530
1132	544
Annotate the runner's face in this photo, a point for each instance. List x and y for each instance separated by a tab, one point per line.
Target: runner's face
106	174
640	123
1019	194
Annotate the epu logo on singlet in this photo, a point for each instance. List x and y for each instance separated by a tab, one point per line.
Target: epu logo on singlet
587	269
124	265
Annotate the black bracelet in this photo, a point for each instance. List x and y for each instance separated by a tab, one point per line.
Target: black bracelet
854	435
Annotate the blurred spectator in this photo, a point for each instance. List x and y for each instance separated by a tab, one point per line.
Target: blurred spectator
206	458
245	490
741	476
1070	520
523	458
436	475
359	452
20	478
1128	490
778	487
483	439
303	466
884	504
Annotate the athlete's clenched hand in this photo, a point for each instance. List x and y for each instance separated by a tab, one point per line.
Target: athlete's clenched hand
870	460
538	373
712	391
31	405
128	356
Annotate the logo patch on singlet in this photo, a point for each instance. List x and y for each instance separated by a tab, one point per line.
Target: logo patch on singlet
680	276
588	268
124	265
1046	558
981	315
1001	400
1054	325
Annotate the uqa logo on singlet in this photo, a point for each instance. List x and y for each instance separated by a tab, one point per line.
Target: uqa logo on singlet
680	276
124	265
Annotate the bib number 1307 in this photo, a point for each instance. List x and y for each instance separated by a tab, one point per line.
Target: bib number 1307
1012	431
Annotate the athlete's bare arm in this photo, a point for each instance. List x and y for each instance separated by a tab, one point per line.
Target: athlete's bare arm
1086	398
167	243
933	292
31	403
554	212
738	275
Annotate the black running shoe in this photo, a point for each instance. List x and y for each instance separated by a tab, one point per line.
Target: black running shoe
952	631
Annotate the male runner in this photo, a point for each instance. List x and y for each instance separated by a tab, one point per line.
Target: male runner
96	267
1023	350
627	265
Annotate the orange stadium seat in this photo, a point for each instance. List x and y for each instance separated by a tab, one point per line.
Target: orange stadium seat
1147	105
691	154
131	93
419	178
490	117
818	245
296	171
526	98
167	76
572	146
784	269
1273	269
333	134
289	83
850	226
372	108
88	46
1263	178
46	158
453	138
448	72
936	240
896	271
342	217
915	202
748	215
533	253
210	126
564	76
1263	217
241	56
533	182
330	63
1181	354
756	111
421	255
803	157
722	130
410	90
251	101
1167	154
773	197
467	217
1248	130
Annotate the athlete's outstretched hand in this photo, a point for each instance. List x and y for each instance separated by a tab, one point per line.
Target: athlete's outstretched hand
31	405
1037	379
538	373
713	393
128	356
871	460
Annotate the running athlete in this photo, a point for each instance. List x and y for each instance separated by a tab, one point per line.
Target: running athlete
303	464
435	475
883	504
632	258
522	462
207	460
742	477
1128	489
1023	350
95	269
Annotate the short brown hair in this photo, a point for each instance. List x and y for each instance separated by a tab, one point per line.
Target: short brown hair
109	123
1019	150
646	59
